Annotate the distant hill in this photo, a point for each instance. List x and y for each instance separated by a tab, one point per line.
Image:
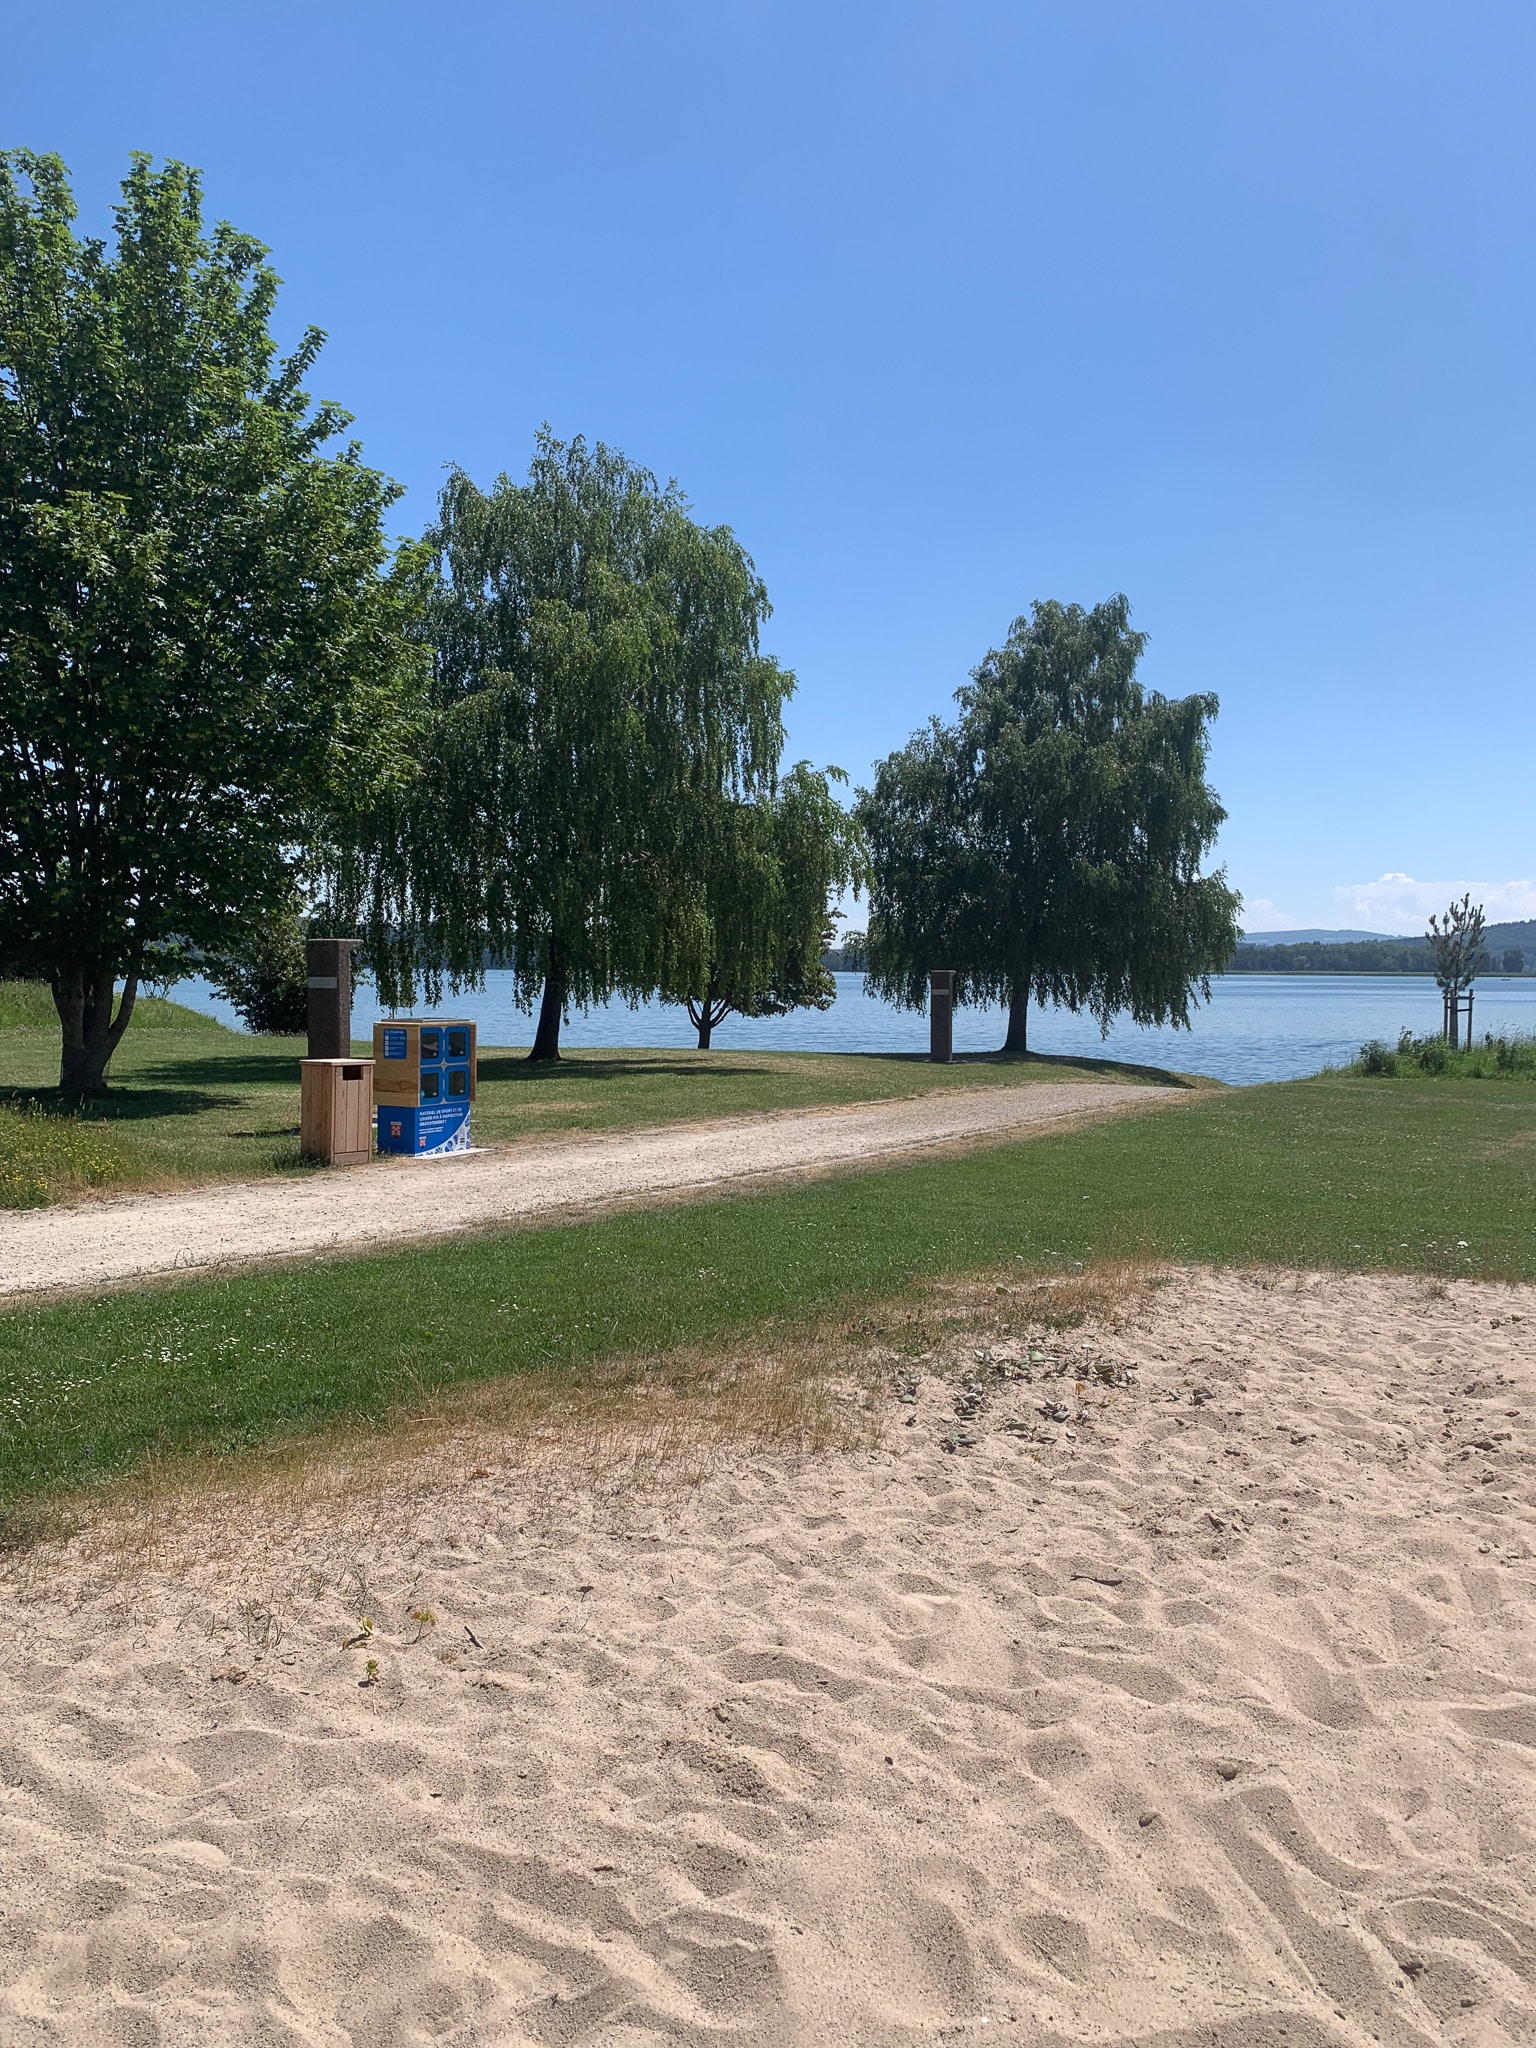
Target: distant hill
1310	938
1510	948
1522	933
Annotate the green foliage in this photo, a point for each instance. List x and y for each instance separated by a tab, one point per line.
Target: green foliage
1456	946
772	869
1309	1174
197	644
598	692
1511	1057
1048	843
267	976
45	1157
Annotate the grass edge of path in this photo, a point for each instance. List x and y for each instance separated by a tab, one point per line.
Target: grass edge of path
1297	1175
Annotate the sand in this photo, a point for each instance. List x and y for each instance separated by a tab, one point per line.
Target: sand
1206	1715
97	1243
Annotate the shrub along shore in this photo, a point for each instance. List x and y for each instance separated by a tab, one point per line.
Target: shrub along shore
1433	1057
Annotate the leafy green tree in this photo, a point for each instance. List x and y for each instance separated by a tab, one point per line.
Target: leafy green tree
196	641
772	872
598	694
1047	844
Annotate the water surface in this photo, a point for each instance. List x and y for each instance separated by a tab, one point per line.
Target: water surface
1256	1027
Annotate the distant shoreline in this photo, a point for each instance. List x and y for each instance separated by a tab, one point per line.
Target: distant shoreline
1355	973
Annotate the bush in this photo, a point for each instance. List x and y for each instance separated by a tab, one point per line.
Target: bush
43	1156
1377	1058
1434	1055
266	979
1515	1055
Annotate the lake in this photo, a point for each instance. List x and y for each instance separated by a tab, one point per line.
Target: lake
1256	1027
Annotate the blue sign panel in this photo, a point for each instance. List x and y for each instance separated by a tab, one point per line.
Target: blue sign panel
433	1128
394	1042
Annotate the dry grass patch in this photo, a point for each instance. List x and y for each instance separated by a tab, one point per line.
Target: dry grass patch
298	1513
531	1442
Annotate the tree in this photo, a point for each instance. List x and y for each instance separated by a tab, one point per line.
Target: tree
598	694
267	976
1456	946
772	872
196	641
1047	844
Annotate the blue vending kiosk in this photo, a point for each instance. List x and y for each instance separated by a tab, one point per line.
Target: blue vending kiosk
423	1084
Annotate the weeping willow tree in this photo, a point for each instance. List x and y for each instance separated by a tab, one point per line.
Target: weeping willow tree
598	693
772	873
1047	845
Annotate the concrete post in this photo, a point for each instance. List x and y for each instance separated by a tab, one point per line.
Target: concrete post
329	970
941	1014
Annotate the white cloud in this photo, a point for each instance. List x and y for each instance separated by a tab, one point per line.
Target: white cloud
1260	915
1397	903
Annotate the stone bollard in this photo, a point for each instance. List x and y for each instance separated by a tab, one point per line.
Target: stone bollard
328	965
941	1014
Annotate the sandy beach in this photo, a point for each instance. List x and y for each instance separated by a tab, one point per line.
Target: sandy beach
1175	1684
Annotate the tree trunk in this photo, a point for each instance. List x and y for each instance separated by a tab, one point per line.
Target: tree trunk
1018	1020
91	1032
706	1015
546	1036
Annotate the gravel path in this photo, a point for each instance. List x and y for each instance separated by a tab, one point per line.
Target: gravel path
97	1243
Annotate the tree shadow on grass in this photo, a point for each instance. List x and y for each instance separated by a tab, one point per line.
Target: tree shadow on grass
122	1105
1165	1077
640	1064
231	1070
662	1065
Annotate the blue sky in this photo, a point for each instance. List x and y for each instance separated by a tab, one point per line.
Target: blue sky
946	307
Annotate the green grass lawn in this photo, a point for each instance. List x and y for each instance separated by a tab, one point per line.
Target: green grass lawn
192	1100
1332	1172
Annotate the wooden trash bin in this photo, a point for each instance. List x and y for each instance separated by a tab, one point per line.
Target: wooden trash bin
336	1111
